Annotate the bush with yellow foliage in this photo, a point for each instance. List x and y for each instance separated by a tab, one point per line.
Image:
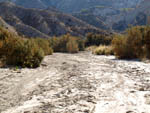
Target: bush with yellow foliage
18	51
134	44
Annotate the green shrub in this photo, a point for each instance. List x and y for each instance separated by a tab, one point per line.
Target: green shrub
72	46
81	44
63	43
44	45
147	41
91	48
134	44
17	51
7	42
66	43
97	39
54	42
27	54
120	48
103	50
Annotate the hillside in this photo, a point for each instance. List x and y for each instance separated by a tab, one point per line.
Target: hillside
107	18
43	23
31	3
103	14
100	16
116	19
7	26
139	16
92	20
76	5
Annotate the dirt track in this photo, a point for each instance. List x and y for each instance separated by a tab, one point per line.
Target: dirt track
77	83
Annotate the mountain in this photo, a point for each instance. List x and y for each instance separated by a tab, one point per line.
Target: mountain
43	23
91	19
77	5
116	19
70	6
105	14
31	3
107	18
99	16
7	26
139	16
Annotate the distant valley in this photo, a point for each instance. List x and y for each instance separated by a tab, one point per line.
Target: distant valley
43	23
45	18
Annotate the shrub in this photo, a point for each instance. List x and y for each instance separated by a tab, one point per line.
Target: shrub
121	50
54	42
22	53
14	50
27	54
134	44
7	42
65	43
44	45
72	46
103	50
147	41
97	39
81	44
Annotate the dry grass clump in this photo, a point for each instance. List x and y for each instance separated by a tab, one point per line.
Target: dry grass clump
103	50
91	48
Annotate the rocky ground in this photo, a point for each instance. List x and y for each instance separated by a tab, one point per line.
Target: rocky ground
77	83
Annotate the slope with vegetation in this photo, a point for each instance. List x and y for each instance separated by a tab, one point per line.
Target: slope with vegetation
99	16
107	15
43	23
136	16
76	5
7	26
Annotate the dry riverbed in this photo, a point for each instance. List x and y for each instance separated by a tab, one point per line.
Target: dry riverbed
77	83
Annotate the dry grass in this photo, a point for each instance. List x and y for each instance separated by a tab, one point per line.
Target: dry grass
91	48
103	50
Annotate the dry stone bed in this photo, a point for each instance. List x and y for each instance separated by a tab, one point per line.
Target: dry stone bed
77	83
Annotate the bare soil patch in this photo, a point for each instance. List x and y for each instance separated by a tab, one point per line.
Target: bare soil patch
77	83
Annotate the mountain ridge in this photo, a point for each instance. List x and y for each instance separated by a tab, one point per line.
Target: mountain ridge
70	6
110	15
43	23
